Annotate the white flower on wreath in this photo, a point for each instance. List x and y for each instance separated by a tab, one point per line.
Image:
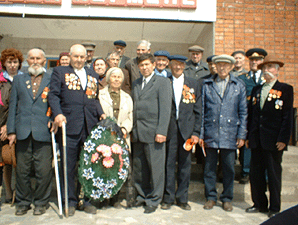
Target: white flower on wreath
86	158
89	146
124	152
122	174
97	182
96	134
96	194
111	183
88	173
126	162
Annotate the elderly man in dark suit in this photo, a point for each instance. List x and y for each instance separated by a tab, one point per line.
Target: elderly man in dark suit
224	115
152	96
184	124
74	99
27	125
119	46
195	67
270	122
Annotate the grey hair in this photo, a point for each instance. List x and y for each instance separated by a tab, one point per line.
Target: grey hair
114	70
76	45
144	42
112	53
38	48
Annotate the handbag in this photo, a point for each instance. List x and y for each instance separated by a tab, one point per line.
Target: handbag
9	155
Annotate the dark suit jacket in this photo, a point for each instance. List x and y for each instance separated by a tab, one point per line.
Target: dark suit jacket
250	83
272	123
152	108
26	114
133	69
75	105
189	113
194	71
124	59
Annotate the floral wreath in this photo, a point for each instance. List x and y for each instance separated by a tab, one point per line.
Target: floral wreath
104	163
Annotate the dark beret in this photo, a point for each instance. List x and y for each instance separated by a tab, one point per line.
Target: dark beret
209	59
120	43
180	58
162	53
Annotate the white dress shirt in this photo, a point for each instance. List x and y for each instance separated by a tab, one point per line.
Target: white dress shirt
178	87
83	77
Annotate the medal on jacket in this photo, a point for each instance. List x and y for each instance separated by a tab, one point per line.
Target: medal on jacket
278	104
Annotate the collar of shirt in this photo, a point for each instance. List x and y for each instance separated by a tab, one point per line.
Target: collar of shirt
218	79
162	73
270	84
10	78
149	77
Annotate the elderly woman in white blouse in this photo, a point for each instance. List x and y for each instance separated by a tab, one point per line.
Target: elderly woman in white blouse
118	104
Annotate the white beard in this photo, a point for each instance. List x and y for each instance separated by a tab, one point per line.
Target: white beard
270	74
35	72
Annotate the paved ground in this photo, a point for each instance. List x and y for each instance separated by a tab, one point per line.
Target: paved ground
175	215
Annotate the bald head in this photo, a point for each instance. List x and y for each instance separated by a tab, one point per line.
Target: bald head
78	56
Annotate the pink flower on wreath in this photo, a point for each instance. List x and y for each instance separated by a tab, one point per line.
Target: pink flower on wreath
116	149
94	157
108	162
105	150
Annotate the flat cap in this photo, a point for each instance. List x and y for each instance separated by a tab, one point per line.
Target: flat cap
120	43
256	53
180	58
224	58
238	52
209	59
270	59
89	46
162	53
196	48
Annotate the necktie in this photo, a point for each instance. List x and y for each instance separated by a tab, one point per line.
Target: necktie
144	83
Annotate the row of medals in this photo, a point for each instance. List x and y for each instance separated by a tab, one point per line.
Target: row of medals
278	103
29	86
72	81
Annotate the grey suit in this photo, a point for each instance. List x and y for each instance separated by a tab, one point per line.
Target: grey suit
152	107
28	120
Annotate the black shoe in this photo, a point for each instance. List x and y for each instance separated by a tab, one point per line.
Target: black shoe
254	209
39	210
272	213
166	205
184	206
22	210
150	209
90	209
71	210
138	204
244	180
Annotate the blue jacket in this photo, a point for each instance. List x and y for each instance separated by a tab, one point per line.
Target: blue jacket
223	119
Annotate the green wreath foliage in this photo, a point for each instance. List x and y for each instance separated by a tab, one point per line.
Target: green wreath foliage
104	162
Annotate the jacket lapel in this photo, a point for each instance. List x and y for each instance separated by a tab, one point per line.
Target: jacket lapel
44	82
27	83
148	86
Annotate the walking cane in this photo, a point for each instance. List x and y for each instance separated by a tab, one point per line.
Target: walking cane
57	173
65	167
